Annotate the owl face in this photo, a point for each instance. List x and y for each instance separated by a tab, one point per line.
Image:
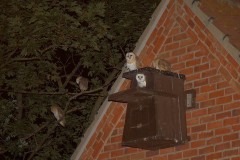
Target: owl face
82	83
141	80
140	77
130	57
78	79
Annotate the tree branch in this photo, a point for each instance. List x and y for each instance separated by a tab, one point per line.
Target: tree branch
101	99
39	146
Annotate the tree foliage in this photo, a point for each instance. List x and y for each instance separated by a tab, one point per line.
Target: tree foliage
44	46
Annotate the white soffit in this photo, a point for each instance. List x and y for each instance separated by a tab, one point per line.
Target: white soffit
139	47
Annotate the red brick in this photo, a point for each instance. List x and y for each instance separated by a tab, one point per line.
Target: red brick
116	139
206	134
201	97
199	143
236	112
201	68
232	105
199	112
130	150
186	42
186	71
229	153
222	146
180	37
158	42
236	143
232	61
97	148
193	62
138	156
232	71
225	73
182	23
217	93
213	125
206	150
152	36
214	156
214	140
169	40
235	85
223	115
236	128
178	66
231	121
166	150
192	35
209	73
105	155
207	118
106	130
192	48
182	147
198	128
171	46
175	156
230	137
222	131
202	157
236	96
215	109
192	122
216	79
223	100
199	23
207	88
190	153
193	77
207	103
111	147
220	85
152	153
191	24
200	82
174	31
122	158
161	158
179	51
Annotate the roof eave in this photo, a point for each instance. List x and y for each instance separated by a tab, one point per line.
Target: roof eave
116	86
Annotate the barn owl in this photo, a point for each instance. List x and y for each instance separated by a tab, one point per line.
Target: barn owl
58	113
132	61
141	80
161	64
82	83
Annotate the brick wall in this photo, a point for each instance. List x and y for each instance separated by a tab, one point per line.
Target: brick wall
214	126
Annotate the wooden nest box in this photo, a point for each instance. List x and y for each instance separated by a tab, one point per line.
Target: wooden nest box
156	114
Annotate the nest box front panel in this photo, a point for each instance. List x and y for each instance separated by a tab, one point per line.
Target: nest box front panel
139	121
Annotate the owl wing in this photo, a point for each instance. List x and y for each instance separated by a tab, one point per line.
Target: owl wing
83	84
59	114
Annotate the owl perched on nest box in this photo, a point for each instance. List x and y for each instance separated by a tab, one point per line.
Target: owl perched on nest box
161	64
132	61
82	83
58	113
141	80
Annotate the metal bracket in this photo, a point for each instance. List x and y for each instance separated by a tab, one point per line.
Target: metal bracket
190	98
